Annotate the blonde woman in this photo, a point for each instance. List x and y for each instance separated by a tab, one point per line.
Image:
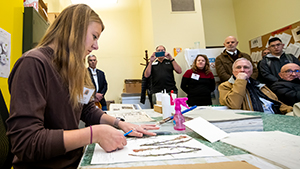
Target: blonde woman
198	82
47	85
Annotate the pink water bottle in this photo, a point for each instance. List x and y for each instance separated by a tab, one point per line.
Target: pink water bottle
178	117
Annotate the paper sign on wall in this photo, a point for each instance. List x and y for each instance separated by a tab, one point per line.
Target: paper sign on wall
5	45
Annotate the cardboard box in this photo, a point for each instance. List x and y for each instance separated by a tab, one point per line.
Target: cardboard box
132	86
157	108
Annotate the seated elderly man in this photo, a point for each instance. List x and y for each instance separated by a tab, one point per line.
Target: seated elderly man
243	92
287	88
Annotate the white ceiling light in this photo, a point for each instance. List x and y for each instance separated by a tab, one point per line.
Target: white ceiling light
94	3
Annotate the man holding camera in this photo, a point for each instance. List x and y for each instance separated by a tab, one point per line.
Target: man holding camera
160	68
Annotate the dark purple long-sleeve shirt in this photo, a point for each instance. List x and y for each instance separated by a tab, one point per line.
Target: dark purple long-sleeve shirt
40	111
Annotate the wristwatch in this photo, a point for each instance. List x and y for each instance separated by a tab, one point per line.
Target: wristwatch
172	60
120	118
116	122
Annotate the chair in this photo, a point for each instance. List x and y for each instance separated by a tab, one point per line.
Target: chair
6	156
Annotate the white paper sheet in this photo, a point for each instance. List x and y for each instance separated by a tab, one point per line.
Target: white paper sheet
297	54
121	156
5	48
259	56
256	56
206	129
292	49
279	147
296	34
285	38
256	42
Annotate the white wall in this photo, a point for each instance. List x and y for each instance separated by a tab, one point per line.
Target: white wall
146	25
177	29
120	50
55	6
218	20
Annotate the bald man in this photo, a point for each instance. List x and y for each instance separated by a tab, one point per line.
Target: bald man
225	60
287	88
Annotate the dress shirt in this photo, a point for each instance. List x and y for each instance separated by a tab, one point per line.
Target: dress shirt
94	73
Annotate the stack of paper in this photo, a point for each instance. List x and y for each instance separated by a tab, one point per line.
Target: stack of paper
228	120
279	147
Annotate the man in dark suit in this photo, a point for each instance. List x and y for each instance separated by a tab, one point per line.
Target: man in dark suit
99	81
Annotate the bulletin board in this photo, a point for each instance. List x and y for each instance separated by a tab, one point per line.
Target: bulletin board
293	30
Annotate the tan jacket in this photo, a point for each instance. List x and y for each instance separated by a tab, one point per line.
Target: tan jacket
233	94
224	65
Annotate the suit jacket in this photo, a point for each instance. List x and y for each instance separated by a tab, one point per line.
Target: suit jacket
101	83
224	65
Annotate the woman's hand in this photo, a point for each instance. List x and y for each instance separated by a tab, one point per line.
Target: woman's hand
108	137
138	130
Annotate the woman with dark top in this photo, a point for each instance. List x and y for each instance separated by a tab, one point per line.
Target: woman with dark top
198	82
49	88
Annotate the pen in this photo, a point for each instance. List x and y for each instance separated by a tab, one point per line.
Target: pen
127	133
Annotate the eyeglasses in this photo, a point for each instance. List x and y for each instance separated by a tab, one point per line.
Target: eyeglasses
289	71
276	45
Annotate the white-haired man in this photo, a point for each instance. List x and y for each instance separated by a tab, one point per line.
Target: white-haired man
243	92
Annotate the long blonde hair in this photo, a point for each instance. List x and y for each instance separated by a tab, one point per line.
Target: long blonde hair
67	34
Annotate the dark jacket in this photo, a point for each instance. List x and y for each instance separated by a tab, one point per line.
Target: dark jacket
270	67
146	87
224	64
102	83
287	91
